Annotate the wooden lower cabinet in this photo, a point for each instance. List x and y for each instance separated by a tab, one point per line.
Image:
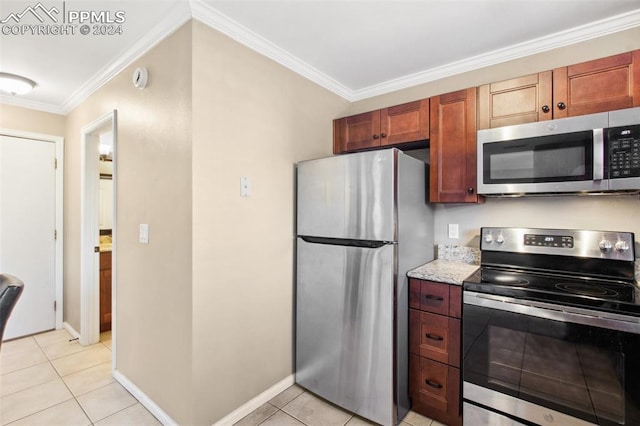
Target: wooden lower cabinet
435	390
434	350
105	291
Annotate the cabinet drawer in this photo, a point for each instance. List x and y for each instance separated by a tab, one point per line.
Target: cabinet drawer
435	385
434	336
429	296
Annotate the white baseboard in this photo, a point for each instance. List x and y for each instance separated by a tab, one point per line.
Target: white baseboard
71	330
256	402
147	402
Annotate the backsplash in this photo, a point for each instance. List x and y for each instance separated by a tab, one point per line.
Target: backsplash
597	212
470	255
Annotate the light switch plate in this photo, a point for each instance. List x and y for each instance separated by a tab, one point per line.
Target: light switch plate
144	233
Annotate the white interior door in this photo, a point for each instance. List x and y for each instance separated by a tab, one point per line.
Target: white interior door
27	226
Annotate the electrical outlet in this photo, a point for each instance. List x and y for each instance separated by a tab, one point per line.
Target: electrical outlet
453	230
245	187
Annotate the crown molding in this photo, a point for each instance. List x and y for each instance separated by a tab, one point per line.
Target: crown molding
208	15
574	35
174	19
26	103
231	28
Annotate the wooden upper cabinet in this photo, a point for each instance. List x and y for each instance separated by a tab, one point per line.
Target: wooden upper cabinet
404	123
453	148
391	126
518	100
597	86
356	132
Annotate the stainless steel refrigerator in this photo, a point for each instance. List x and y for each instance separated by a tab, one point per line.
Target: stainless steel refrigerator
362	223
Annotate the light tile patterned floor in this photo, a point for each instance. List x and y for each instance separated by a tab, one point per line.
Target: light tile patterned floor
297	407
50	379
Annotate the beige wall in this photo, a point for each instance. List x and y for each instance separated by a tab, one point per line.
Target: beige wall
254	118
610	213
28	120
153	186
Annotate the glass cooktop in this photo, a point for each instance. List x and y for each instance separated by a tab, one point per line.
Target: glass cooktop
604	295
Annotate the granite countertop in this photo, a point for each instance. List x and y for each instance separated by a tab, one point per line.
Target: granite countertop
453	265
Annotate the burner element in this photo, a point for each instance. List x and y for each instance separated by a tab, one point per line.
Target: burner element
587	289
505	280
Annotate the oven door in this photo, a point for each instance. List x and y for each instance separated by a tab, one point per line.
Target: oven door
548	157
550	365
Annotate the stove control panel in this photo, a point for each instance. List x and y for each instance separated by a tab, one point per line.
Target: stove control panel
541	240
565	242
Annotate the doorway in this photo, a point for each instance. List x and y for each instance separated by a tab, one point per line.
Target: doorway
98	229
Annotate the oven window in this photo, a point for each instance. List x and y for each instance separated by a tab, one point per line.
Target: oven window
575	369
553	158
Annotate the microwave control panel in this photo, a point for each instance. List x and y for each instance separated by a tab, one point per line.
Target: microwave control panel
624	151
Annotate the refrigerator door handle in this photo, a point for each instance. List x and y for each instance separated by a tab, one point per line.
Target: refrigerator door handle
346	242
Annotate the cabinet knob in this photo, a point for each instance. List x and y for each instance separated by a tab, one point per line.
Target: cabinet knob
545	108
376	136
383	135
470	190
561	105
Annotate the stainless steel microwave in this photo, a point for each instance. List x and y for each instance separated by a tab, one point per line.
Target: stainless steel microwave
589	153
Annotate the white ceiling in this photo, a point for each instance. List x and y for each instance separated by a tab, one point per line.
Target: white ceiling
355	48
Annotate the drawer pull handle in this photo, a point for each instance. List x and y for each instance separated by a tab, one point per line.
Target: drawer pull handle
434	337
434	297
433	384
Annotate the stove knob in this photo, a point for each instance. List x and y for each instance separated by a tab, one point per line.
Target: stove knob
488	238
500	239
622	246
605	245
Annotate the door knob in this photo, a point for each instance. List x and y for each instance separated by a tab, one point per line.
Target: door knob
545	108
561	105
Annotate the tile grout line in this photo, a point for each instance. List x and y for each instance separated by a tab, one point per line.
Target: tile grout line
65	383
73	396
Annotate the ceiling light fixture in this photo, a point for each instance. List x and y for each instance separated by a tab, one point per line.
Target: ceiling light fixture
15	84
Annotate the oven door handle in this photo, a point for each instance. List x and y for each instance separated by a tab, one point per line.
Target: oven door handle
550	311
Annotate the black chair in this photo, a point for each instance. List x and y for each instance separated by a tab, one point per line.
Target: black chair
10	290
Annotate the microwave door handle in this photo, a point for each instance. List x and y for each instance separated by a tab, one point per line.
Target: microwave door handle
598	154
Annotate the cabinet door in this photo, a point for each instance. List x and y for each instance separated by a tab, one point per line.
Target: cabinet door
597	86
356	132
518	100
453	147
405	123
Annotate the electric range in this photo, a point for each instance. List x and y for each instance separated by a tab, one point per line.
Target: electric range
551	329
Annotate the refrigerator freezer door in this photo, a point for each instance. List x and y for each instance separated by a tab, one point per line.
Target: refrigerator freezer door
348	196
344	326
